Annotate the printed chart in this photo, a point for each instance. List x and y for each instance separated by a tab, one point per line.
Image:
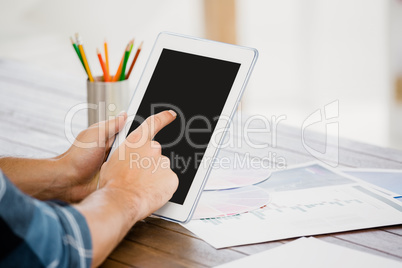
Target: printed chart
387	179
215	204
307	200
235	170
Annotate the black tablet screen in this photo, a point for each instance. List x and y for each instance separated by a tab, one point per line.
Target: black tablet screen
196	88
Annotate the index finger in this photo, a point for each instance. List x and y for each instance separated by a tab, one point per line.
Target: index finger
153	124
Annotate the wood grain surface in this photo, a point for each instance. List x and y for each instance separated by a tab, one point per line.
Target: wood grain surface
33	108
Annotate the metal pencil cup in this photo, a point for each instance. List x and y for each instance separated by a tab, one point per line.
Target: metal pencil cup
106	99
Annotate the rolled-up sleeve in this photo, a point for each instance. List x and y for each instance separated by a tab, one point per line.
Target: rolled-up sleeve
40	234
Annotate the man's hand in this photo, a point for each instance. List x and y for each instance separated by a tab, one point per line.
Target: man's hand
129	192
137	168
85	157
71	176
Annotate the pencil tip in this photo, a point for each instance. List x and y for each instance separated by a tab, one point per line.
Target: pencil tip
78	38
97	51
72	40
141	45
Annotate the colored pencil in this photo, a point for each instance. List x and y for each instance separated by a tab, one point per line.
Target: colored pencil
121	71
77	51
107	58
126	56
134	60
116	77
132	44
106	77
84	58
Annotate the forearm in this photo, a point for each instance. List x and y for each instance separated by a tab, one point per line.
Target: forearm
110	213
55	230
37	177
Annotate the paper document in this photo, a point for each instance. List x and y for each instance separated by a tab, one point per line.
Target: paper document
230	202
306	200
312	253
388	179
231	171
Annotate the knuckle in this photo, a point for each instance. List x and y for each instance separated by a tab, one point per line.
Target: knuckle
156	145
102	125
134	136
165	161
98	124
159	197
165	158
155	148
174	180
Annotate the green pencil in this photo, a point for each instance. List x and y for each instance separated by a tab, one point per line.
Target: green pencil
126	56
78	52
132	44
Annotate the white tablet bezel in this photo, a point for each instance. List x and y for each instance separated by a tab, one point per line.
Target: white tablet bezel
243	55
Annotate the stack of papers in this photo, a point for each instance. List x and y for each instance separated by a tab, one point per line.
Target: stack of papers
310	199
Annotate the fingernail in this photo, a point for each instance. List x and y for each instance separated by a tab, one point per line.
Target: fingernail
173	113
121	113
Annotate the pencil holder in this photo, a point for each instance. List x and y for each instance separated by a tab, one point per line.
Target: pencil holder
106	99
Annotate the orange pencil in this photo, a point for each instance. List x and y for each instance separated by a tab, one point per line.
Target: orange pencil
106	77
116	77
84	58
107	58
118	73
134	60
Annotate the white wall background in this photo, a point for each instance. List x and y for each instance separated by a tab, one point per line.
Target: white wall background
316	51
312	52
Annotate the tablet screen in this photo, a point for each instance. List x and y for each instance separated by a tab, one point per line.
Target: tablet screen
196	88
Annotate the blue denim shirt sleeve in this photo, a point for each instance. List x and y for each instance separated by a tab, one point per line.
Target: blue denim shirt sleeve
40	234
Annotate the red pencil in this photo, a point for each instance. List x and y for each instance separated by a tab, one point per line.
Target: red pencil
106	76
134	60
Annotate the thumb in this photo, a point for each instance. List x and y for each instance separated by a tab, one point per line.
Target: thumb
116	124
113	126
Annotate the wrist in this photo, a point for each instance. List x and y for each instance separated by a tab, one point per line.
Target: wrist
61	180
47	183
110	213
128	202
70	183
65	173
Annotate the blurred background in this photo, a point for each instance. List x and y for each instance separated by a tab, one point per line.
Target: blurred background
312	52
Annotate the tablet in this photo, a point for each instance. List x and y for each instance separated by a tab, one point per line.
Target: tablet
202	81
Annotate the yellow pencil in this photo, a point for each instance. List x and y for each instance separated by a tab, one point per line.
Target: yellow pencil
106	57
84	58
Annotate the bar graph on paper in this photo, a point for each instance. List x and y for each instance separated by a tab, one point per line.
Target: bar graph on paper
286	207
307	200
302	212
305	208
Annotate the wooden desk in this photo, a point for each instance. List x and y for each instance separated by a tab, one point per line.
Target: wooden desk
33	105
